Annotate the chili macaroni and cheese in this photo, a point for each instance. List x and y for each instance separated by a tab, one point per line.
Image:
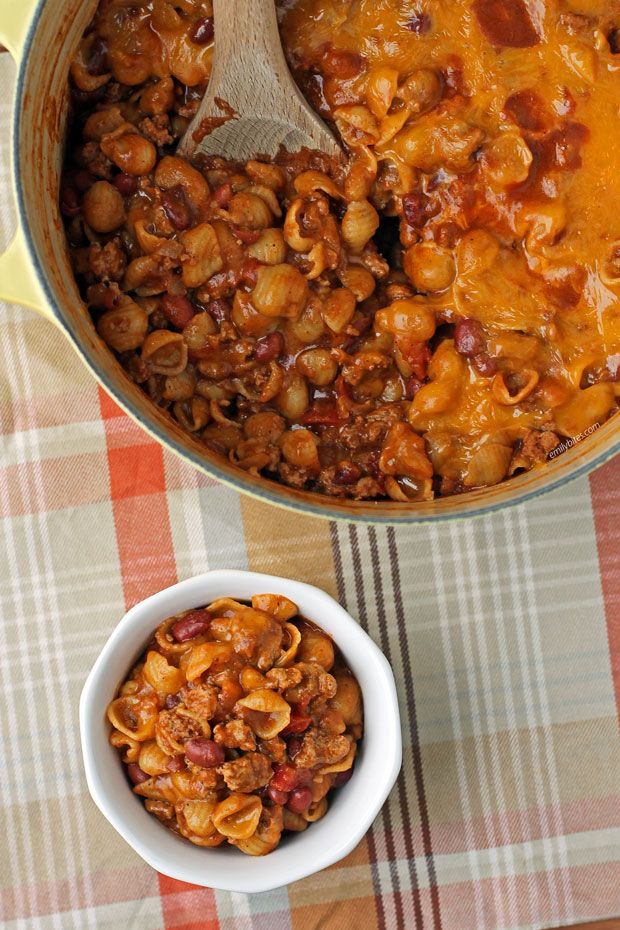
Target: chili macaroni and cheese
237	722
435	313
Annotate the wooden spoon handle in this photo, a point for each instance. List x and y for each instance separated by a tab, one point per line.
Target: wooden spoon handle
248	54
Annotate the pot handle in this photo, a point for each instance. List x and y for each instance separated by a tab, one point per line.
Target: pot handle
15	24
17	280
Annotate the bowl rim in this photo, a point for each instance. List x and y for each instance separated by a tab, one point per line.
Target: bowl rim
299	866
266	490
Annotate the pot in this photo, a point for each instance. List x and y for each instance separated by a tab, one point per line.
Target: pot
35	271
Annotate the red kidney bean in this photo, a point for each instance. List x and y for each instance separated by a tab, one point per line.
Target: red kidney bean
193	624
172	700
277	796
203	31
83	180
176	764
204	752
485	364
293	745
136	774
342	778
223	194
98	57
249	270
412	386
298	723
506	23
284	778
125	184
468	338
342	64
177	309
415	205
247	236
347	473
70	202
174	208
219	309
269	347
299	800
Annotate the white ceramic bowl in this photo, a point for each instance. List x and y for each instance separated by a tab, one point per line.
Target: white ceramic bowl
353	807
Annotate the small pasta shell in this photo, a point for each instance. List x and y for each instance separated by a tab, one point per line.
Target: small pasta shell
203	656
343	765
292	229
165	352
164	678
266	712
167	646
131	746
279	606
153	760
134	715
488	465
296	823
309	181
270	248
195	819
225	607
202	257
316	647
237	816
250	679
359	224
288	656
148	241
358	280
316	811
157	788
501	393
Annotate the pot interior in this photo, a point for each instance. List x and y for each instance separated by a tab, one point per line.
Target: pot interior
41	118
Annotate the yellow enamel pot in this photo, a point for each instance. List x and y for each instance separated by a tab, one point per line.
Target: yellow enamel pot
35	271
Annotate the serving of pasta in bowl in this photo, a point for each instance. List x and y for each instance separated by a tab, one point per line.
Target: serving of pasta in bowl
240	731
426	328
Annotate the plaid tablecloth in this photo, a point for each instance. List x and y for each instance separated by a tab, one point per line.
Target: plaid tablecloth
504	635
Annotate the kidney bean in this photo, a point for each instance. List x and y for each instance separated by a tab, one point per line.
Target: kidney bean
284	778
219	309
342	778
204	752
347	473
126	184
506	23
299	800
269	347
177	309
247	236
342	64
83	180
412	386
191	625
136	774
468	337
277	796
485	365
298	723
223	194
172	700
203	31
415	205
249	270
293	745
70	202
98	57
176	211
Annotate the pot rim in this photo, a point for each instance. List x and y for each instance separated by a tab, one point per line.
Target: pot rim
279	495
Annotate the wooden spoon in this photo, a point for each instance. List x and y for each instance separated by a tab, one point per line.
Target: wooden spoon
250	78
